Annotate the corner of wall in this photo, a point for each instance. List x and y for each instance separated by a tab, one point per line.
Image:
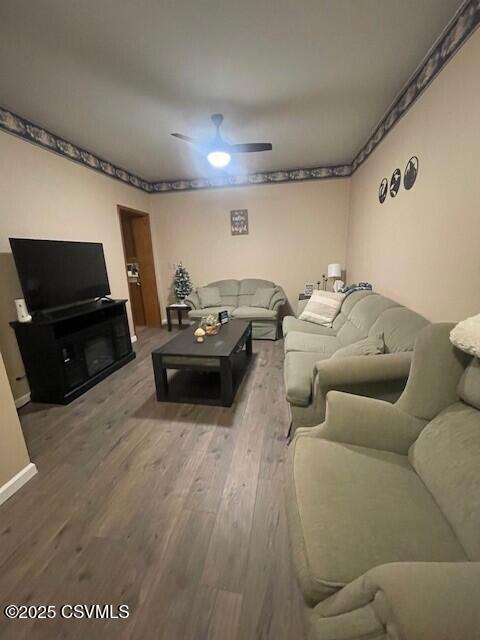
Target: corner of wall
15	465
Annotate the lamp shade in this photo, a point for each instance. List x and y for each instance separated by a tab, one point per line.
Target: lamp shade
334	270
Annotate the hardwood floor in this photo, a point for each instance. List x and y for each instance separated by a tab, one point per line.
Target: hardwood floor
175	510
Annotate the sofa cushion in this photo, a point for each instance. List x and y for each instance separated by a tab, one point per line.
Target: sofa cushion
257	313
228	291
352	508
248	287
349	333
446	456
371	346
361	316
209	296
290	323
354	298
469	385
198	314
367	310
323	307
298	375
263	297
339	321
400	327
297	341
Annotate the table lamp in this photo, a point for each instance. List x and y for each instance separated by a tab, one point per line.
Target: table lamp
334	270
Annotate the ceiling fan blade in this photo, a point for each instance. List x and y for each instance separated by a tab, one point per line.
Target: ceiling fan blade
196	144
182	137
250	147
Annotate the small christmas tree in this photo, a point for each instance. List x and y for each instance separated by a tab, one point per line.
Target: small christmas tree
181	282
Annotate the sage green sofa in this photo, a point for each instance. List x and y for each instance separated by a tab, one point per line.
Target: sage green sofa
236	296
383	505
310	373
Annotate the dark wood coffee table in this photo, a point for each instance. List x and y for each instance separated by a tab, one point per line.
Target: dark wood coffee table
216	355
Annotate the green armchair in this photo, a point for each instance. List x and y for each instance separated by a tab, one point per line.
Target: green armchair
383	508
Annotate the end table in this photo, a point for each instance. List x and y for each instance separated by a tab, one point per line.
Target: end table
179	308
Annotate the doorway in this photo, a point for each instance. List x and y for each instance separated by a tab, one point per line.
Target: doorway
139	267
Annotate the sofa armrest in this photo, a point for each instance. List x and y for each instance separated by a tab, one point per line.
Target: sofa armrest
193	300
408	600
278	299
363	369
381	376
366	422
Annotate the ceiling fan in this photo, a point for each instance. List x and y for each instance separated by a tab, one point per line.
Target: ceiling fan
219	152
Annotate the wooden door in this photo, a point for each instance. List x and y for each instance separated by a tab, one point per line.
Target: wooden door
136	303
142	239
134	286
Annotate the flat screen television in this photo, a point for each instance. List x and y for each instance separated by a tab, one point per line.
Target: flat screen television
56	273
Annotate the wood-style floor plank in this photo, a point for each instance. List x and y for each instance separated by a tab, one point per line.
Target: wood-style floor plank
176	510
225	616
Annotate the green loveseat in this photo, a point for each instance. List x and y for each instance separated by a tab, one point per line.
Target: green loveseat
236	297
383	505
310	373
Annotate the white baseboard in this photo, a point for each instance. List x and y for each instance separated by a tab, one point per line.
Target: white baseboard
133	338
13	485
22	400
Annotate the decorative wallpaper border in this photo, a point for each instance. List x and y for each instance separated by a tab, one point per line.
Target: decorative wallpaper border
19	126
463	25
13	123
265	177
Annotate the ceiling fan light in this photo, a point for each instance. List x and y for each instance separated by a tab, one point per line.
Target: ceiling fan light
219	159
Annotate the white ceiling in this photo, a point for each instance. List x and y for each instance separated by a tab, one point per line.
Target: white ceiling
117	77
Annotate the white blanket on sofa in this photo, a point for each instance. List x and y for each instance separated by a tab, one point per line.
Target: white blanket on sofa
466	335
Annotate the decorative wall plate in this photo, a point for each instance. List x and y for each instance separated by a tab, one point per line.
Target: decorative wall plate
395	181
411	172
383	190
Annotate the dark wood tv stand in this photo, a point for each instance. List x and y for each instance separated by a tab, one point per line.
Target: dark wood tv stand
66	352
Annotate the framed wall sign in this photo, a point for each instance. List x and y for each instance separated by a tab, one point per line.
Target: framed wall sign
239	222
308	290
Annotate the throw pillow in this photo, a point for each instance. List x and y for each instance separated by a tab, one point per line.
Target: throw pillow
370	346
209	297
262	297
466	336
323	307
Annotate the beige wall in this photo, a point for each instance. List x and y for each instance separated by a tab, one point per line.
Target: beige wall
420	248
46	196
13	452
295	230
423	247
